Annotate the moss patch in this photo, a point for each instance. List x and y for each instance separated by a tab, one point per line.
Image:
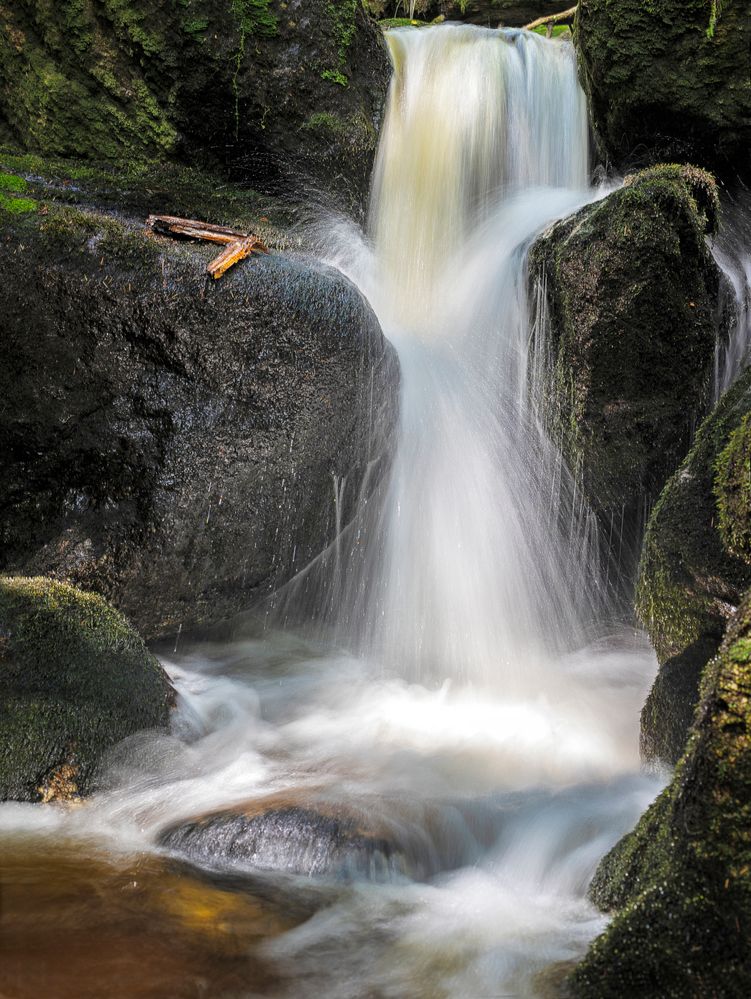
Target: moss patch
733	491
682	879
75	679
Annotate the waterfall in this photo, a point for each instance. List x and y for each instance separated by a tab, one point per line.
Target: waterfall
478	567
732	254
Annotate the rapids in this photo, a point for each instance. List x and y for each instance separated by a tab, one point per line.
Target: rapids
458	684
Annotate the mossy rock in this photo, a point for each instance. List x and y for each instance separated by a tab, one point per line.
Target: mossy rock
668	79
226	84
75	679
681	881
690	576
161	434
632	295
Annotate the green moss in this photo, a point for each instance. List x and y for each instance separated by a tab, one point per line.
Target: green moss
559	31
341	14
682	878
74	680
733	491
12	182
16	206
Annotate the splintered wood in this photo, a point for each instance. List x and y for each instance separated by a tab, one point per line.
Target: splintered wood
238	245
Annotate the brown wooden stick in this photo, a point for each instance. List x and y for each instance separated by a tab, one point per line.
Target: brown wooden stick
551	19
238	244
238	250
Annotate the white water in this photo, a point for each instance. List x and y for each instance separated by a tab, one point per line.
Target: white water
482	718
732	253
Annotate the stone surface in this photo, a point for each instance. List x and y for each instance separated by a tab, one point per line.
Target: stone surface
278	93
682	879
75	679
172	442
632	294
668	79
690	581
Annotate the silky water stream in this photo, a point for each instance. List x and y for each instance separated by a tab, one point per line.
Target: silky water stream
419	793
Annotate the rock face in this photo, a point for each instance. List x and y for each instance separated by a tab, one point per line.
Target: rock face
646	103
682	878
74	680
488	13
174	443
695	567
276	92
631	293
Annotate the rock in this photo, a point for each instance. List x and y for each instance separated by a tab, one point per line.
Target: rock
277	93
75	679
668	80
682	878
632	294
170	442
690	580
307	837
488	13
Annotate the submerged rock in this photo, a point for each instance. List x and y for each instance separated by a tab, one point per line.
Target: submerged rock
682	878
175	443
668	80
74	680
631	292
275	92
695	568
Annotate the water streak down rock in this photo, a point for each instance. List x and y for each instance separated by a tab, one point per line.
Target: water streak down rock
170	443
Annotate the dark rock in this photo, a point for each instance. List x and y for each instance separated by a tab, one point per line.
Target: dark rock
668	80
682	878
74	680
172	442
487	13
690	582
276	92
632	294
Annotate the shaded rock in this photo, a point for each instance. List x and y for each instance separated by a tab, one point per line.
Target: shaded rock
690	580
668	80
277	93
170	442
75	679
631	294
682	878
487	13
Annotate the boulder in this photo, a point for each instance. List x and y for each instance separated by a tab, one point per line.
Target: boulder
630	302
277	93
173	443
681	881
694	568
668	79
75	679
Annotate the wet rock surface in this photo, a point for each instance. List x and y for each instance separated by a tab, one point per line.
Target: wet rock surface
75	679
631	295
694	569
170	442
278	93
668	80
682	878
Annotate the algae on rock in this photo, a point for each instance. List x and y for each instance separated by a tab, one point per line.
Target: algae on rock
682	878
75	679
690	580
668	79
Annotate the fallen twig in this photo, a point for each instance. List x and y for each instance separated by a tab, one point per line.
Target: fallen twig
238	245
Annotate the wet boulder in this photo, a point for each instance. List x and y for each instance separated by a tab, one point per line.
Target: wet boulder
668	80
695	567
176	444
75	679
680	883
628	295
277	93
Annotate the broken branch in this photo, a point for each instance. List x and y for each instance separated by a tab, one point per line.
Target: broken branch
238	244
551	19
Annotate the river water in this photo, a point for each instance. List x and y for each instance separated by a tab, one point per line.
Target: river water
422	776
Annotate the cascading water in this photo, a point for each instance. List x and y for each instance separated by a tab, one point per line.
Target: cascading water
478	728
